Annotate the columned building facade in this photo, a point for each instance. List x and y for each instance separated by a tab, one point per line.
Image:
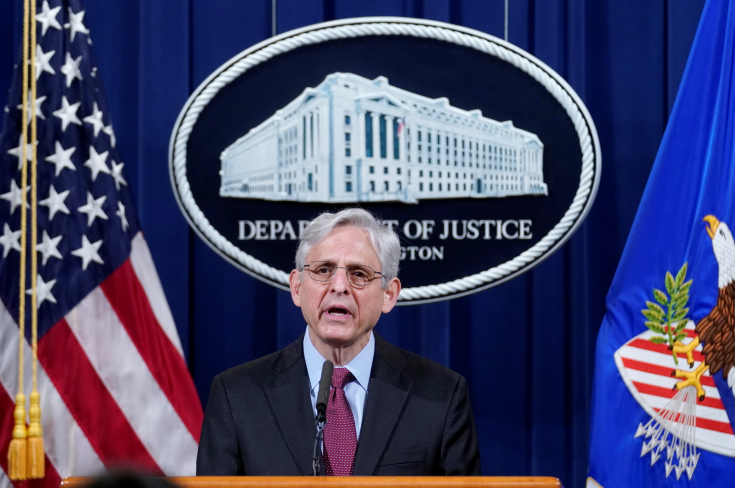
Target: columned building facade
352	139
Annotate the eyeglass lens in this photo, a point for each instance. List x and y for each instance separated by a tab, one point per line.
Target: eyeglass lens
358	275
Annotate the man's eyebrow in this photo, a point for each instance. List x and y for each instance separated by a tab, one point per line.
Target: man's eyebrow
348	264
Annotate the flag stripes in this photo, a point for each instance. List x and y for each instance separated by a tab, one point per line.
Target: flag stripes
68	450
667	383
86	396
145	271
703	423
7	404
128	299
108	368
662	349
661	370
4	480
647	389
126	377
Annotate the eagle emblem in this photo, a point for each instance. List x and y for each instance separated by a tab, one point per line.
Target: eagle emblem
694	416
716	331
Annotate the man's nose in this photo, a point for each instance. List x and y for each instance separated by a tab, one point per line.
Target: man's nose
340	283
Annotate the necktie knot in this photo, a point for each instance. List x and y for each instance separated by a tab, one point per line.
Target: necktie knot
341	377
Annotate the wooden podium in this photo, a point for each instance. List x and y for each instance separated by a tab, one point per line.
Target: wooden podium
349	482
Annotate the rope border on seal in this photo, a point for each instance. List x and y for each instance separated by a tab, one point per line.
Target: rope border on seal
586	135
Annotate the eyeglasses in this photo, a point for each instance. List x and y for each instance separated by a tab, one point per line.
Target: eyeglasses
359	276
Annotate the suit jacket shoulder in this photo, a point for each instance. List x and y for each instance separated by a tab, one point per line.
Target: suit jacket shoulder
258	419
418	368
258	371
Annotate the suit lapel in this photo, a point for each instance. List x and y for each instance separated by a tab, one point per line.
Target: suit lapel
288	394
387	393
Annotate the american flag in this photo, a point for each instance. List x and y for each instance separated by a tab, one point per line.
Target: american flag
114	385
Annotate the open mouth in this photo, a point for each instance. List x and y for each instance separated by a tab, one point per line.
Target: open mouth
336	311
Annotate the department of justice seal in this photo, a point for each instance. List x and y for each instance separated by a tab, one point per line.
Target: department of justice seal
482	158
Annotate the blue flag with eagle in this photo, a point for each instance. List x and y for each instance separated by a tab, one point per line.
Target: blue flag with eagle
663	398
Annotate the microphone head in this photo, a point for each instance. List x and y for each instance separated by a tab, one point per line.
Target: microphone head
324	389
327	369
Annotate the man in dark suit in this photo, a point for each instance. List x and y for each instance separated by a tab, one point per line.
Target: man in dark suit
390	412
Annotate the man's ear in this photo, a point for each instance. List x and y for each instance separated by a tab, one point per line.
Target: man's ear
295	285
391	295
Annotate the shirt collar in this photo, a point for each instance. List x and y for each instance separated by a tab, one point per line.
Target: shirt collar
360	366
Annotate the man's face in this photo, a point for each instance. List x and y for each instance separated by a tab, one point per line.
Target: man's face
337	313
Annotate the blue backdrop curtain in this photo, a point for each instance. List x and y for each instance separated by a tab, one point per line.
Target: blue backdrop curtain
526	346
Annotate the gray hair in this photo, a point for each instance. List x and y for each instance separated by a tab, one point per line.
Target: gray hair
383	238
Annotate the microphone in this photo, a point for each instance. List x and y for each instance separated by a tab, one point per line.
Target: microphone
324	392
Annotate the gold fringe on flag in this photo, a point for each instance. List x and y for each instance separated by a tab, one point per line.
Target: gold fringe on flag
17	452
36	457
26	457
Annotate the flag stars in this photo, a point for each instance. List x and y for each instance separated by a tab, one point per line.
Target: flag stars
9	240
71	69
47	17
88	252
93	208
68	113
96	162
117	174
35	106
18	151
42	62
55	202
108	130
44	291
120	213
48	247
62	158
95	119
14	196
76	24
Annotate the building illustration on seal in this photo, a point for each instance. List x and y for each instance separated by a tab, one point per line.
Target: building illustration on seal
351	139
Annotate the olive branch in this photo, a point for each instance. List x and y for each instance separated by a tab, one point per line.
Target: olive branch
675	299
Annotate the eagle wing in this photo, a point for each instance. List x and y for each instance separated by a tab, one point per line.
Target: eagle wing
716	332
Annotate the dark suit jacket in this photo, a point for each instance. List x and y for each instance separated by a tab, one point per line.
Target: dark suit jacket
417	419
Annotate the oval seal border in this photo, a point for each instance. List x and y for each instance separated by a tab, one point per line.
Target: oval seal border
387	26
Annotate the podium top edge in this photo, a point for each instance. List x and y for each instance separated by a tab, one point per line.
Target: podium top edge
346	482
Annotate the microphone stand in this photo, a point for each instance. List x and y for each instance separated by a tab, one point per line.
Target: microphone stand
318	444
321	418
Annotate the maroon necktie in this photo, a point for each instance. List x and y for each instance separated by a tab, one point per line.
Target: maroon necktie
340	438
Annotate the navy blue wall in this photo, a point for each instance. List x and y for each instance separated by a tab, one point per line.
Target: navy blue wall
525	346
